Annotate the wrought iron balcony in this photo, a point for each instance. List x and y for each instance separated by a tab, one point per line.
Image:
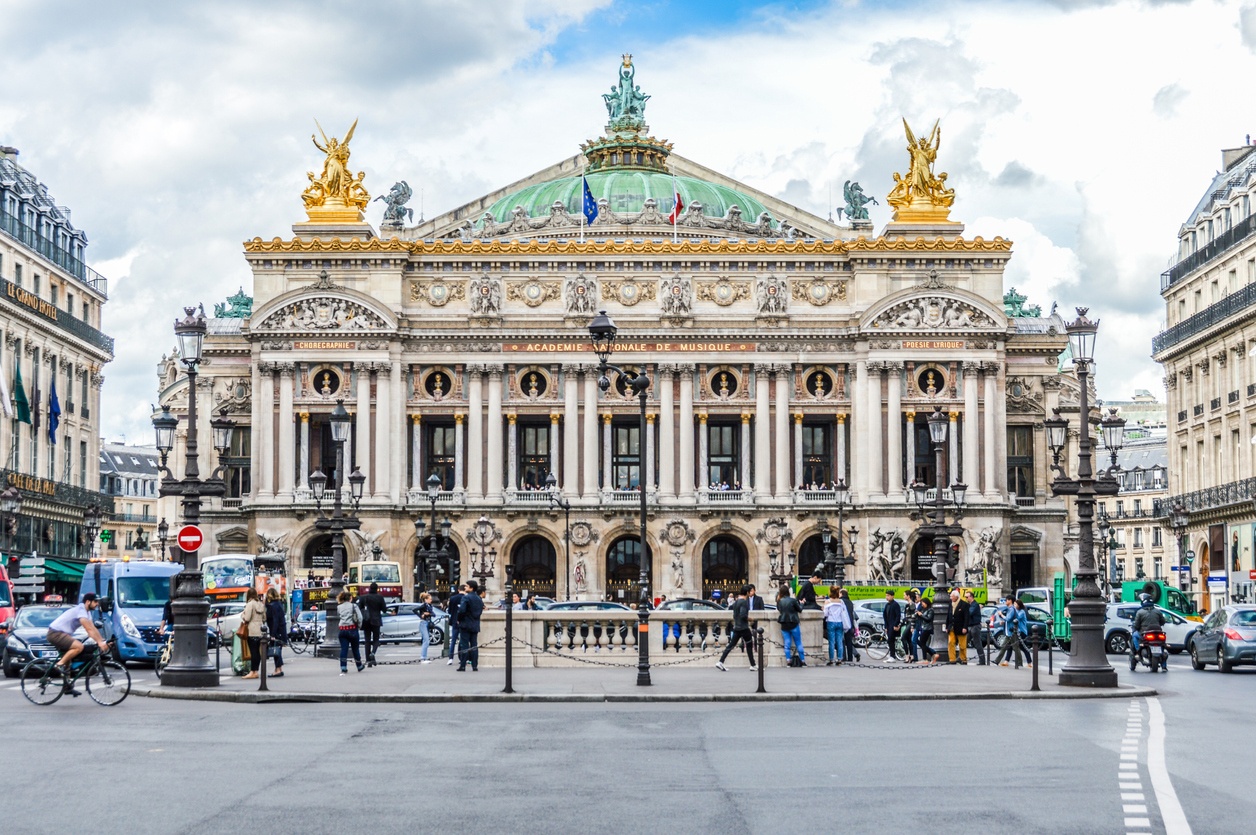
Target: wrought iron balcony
1182	416
1199	409
29	237
1219	245
1232	397
1214	403
1214	314
1210	498
56	317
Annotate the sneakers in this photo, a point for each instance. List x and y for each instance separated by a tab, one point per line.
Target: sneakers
344	671
719	665
361	667
425	661
449	663
754	668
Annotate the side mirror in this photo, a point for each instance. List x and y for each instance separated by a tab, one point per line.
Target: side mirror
106	604
6	625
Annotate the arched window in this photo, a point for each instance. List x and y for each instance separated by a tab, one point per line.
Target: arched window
535	563
723	566
623	566
810	555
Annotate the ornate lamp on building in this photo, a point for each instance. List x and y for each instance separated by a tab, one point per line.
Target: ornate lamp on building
10	506
556	500
483	555
189	660
933	524
1088	664
339	520
604	332
163	536
435	550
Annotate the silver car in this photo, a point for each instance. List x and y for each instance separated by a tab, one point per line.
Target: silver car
1226	638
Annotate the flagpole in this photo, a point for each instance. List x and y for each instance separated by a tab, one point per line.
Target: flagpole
584	185
675	198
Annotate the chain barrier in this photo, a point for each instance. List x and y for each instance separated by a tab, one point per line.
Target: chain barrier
624	664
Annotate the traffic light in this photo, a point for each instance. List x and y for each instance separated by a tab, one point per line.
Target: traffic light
455	567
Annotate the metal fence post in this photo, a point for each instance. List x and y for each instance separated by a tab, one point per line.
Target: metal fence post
265	644
1034	688
763	662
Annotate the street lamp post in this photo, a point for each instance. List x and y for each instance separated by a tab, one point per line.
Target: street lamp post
1105	528
10	506
91	526
1088	663
483	555
163	536
779	570
338	522
436	548
1179	519
836	560
551	486
189	659
603	331
933	524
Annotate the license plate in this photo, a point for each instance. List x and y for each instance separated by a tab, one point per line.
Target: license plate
49	653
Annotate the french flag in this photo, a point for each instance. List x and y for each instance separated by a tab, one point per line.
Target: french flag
678	208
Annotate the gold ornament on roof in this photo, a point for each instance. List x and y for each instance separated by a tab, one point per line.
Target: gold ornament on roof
335	194
921	196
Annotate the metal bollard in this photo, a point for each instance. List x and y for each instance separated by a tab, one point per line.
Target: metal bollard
510	634
265	644
763	663
1034	688
1051	648
218	646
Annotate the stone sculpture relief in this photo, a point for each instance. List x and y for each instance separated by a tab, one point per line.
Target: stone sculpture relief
932	312
486	296
323	314
581	295
676	296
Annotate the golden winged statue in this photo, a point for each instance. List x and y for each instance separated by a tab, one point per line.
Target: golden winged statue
921	195
336	189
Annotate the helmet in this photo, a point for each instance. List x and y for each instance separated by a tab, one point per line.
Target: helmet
1146	601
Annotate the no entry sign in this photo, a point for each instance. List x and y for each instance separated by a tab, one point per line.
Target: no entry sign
190	538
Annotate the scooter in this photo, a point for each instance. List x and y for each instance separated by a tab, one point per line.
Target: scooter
1152	650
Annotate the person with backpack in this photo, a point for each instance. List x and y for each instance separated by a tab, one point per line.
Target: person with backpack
350	631
740	633
851	654
277	626
789	616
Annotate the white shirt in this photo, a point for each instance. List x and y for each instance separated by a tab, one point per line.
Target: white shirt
69	621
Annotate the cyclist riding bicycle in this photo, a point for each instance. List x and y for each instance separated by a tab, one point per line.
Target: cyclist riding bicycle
61	632
1146	619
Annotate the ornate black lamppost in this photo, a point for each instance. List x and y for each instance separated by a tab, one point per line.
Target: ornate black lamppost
1106	530
189	660
1179	519
1087	665
91	527
163	536
933	517
483	555
551	487
10	506
436	549
835	560
781	570
338	522
604	332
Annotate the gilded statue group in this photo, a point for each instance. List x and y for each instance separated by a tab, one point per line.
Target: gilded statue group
336	187
921	188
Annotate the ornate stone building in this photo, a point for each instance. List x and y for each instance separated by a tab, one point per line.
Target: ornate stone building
785	353
1207	352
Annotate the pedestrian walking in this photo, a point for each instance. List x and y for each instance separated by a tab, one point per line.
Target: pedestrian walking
1010	619
852	654
277	626
469	611
789	616
975	639
254	618
836	622
425	625
740	632
373	607
911	620
957	629
455	602
925	616
892	616
754	599
350	631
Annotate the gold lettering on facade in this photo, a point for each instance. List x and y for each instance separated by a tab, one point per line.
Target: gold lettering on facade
31	484
35	303
933	345
323	346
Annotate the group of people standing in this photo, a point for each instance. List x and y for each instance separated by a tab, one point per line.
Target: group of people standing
965	627
268	613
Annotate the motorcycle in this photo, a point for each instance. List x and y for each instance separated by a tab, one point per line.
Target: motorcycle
1153	651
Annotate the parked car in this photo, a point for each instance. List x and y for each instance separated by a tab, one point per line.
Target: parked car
307	621
691	604
1117	627
869	615
588	606
226	618
1038	630
27	637
1226	637
402	623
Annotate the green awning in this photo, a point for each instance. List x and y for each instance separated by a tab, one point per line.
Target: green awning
63	571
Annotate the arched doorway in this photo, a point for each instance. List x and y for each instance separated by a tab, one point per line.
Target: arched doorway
810	555
316	559
536	566
623	568
724	566
922	560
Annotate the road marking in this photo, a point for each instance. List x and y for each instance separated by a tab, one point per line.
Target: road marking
1171	812
1132	795
1138	821
1134	809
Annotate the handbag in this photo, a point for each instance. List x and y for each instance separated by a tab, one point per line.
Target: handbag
245	652
243	631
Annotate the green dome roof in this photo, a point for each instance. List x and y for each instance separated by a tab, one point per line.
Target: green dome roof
626	191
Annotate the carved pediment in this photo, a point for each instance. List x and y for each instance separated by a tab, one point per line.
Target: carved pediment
323	313
933	313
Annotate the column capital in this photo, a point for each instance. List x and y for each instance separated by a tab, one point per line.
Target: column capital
798	418
511	418
702	418
745	417
554	417
971	366
606	418
841	418
954	416
494	370
474	369
458	418
286	369
416	418
665	369
894	367
649	418
911	414
305	417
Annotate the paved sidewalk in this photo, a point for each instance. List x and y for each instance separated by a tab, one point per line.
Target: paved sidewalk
317	679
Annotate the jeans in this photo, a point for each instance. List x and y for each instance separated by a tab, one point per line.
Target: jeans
793	634
835	634
974	641
454	633
957	647
468	649
370	637
745	636
426	628
849	646
349	640
674	627
916	634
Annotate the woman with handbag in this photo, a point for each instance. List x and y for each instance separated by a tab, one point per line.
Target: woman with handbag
425	624
350	634
251	621
277	626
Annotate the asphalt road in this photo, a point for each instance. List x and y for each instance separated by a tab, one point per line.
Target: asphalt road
156	766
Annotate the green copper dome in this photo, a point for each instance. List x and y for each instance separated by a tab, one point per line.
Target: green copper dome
626	191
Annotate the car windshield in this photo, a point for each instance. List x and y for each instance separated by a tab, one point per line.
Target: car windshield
5	600
228	573
306	617
38	617
143	592
1245	618
381	572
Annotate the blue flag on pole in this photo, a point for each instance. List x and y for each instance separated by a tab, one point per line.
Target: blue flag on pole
590	205
54	415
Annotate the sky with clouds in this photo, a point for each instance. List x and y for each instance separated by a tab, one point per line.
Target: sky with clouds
1084	130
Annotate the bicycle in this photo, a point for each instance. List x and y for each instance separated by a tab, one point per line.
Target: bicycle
879	646
163	654
106	681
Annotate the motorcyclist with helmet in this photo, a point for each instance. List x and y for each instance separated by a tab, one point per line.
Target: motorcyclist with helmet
1147	619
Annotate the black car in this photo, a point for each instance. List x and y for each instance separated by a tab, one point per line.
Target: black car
28	637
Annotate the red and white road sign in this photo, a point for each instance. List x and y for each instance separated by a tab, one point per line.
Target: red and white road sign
190	538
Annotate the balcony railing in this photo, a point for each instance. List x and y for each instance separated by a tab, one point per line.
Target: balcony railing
1232	397
58	491
1214	403
627	497
1210	498
724	497
1236	302
1223	243
444	497
529	498
828	497
1199	409
30	237
62	319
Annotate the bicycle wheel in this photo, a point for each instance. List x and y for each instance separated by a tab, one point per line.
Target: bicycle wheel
877	648
163	658
42	682
109	683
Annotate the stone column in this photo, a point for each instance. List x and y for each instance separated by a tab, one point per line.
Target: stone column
417	475
686	488
999	450
745	450
255	422
952	448
894	429
875	449
667	432
512	453
363	424
266	434
607	482
493	426
797	449
781	489
840	474
762	434
588	486
304	466
553	444
396	422
972	422
475	434
989	482
570	478
859	452
383	434
704	467
910	453
649	451
460	442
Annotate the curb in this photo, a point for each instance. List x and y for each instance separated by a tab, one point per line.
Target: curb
270	697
